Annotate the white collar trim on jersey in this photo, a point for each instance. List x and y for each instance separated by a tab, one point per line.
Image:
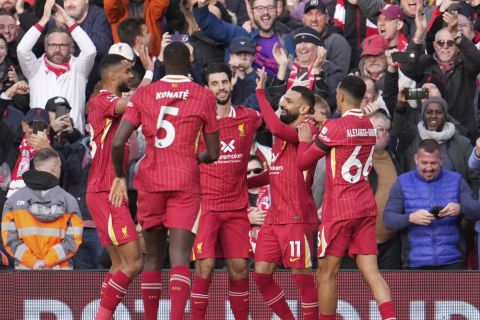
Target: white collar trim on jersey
354	112
175	78
231	114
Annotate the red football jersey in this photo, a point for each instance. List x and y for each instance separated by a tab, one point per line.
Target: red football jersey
290	189
173	112
103	125
224	183
348	194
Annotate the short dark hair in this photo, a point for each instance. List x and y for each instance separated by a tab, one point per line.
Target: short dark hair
306	95
109	61
177	55
216	68
43	155
428	145
354	86
129	29
58	30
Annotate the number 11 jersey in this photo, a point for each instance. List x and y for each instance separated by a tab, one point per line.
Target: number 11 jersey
173	113
350	141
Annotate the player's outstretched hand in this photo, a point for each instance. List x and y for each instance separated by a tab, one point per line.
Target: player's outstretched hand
305	134
118	192
262	78
256	215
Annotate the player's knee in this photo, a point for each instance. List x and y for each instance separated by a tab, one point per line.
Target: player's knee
238	271
204	268
324	273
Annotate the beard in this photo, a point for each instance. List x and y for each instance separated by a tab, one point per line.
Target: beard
58	58
288	117
225	100
124	87
258	23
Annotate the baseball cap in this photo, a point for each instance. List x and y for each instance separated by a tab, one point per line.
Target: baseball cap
36	114
315	4
52	103
309	35
374	45
391	11
123	50
243	44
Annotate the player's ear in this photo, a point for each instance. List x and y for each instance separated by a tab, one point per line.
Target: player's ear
304	109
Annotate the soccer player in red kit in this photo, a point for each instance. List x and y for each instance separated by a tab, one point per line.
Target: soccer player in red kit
115	226
349	208
286	235
224	225
173	113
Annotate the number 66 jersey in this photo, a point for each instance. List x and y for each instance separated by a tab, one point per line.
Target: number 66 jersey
173	113
349	142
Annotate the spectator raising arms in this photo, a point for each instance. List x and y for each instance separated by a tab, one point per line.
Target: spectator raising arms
57	72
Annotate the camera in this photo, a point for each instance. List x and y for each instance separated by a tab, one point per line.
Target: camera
436	211
415	93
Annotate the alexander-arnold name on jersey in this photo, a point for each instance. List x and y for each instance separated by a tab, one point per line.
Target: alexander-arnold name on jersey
173	95
361	132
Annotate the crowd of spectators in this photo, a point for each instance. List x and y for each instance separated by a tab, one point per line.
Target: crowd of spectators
420	62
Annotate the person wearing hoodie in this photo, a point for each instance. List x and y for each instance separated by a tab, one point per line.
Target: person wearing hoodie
41	223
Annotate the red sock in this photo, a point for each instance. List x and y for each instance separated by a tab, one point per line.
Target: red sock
199	299
114	293
308	292
273	295
387	311
239	298
179	291
330	317
151	288
107	278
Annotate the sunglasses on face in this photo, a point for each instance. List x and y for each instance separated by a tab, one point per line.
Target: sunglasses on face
256	171
443	43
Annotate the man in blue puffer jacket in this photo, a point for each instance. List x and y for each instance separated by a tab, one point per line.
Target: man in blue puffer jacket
426	205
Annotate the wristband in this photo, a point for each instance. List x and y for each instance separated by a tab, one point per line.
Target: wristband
148	75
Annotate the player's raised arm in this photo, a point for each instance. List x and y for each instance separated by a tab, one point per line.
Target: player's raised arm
212	142
274	124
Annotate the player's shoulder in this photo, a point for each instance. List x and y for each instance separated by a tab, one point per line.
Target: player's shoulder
246	112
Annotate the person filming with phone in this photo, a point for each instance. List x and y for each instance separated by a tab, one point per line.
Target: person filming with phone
426	206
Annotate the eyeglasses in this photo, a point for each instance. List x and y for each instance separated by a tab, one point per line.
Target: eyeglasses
256	171
269	8
442	43
62	46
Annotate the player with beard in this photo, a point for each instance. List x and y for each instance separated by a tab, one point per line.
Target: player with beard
287	233
349	209
115	226
224	225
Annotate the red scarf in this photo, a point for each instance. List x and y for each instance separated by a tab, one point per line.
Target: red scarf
58	69
21	166
294	74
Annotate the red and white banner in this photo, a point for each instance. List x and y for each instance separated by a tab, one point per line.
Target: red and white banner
69	295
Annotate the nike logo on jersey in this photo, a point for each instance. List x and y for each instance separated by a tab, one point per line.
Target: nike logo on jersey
294	259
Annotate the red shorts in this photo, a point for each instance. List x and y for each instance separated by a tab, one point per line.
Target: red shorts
222	235
291	244
114	225
356	235
168	209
